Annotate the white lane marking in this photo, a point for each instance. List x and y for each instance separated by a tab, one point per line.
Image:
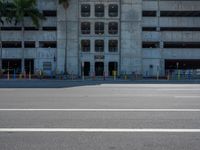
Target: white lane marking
187	97
174	89
107	110
103	130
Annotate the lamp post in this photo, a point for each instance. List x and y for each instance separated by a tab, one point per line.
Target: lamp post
178	74
158	70
55	67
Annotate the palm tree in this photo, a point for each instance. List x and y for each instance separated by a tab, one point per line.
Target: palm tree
65	4
4	16
22	9
1	23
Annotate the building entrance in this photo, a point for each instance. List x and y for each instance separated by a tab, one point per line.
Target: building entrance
99	68
29	66
182	64
13	66
112	67
86	68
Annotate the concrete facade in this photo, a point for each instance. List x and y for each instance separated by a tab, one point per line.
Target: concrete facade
130	55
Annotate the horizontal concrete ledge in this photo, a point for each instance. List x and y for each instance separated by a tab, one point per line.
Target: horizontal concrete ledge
99	130
105	110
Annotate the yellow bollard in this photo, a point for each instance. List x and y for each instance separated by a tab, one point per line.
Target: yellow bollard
114	74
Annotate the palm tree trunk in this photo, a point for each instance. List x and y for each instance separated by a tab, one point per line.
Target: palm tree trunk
0	50
22	63
65	69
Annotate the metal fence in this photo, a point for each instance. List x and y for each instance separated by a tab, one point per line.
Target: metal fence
183	74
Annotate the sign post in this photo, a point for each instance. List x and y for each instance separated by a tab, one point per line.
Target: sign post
82	66
178	72
158	72
8	71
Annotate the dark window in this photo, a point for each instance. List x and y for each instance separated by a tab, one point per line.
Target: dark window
99	28
30	28
11	44
49	28
85	45
99	10
113	10
113	45
49	13
11	28
150	45
149	29
99	46
85	27
180	29
29	44
180	13
181	44
149	13
85	10
48	44
113	28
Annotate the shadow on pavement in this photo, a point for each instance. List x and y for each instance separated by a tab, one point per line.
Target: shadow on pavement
77	83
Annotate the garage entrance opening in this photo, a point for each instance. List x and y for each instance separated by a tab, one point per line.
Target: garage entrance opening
113	66
86	68
182	64
29	66
12	66
99	68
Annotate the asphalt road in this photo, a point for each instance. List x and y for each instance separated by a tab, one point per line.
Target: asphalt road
96	115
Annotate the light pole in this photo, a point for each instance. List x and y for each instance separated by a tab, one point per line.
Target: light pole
178	73
158	70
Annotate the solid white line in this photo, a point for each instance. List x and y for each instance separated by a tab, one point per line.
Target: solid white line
187	97
174	89
107	110
103	130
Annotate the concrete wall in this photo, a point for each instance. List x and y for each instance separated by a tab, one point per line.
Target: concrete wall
131	18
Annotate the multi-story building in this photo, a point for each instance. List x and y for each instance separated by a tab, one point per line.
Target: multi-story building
96	37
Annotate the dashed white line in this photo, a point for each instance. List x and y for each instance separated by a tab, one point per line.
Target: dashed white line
99	130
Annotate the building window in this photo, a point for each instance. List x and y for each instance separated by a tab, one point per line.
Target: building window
85	27
11	44
50	13
99	28
181	44
180	13
85	10
85	45
29	44
47	66
148	28
49	28
113	10
31	28
113	46
113	28
99	10
99	46
11	28
150	45
149	13
48	44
